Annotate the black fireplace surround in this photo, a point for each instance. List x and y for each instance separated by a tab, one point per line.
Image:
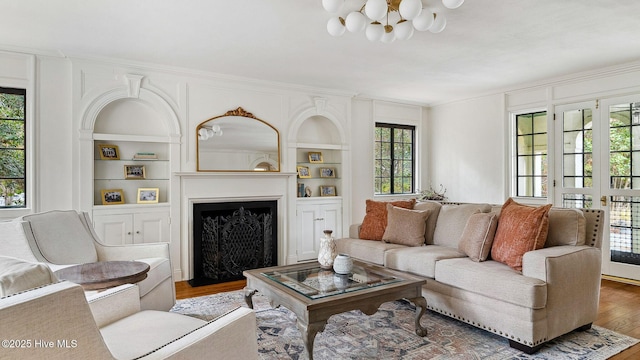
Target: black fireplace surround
230	237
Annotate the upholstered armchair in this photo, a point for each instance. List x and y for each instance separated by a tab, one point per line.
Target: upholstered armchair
58	321
64	238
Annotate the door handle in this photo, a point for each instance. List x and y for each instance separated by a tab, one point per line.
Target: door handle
318	219
603	200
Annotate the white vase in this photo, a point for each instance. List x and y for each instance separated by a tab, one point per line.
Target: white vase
342	264
327	250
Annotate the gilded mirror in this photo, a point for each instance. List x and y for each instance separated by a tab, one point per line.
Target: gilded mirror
237	141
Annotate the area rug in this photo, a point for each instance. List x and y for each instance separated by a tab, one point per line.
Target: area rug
389	334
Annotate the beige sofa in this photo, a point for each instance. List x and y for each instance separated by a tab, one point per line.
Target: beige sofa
63	238
46	319
556	291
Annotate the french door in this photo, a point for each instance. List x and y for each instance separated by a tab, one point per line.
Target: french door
598	162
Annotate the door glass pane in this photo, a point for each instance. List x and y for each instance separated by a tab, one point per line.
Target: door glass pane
624	228
624	137
577	158
577	201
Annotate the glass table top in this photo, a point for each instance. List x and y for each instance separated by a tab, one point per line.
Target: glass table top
315	282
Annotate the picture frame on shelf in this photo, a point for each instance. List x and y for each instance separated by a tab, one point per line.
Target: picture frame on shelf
315	157
328	190
148	195
134	172
327	172
112	196
109	152
303	172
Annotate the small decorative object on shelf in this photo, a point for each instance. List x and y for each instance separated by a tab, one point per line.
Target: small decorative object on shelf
303	172
432	194
327	250
342	264
112	196
109	152
145	156
327	172
315	157
300	190
328	190
134	172
307	192
148	195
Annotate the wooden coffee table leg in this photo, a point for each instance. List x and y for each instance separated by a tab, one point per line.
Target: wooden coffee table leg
248	296
309	332
421	308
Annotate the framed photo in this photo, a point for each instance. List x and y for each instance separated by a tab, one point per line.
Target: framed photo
109	152
132	172
303	172
315	157
148	195
328	191
112	196
327	172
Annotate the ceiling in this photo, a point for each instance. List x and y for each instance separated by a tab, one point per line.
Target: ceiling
487	46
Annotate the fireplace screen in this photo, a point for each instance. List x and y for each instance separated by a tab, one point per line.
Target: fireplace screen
231	237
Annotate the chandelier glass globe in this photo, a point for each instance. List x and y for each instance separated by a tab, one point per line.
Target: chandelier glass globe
439	23
424	21
409	9
376	9
335	26
355	21
404	30
374	31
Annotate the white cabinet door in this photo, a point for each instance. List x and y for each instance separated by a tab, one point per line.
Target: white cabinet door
313	218
151	227
114	229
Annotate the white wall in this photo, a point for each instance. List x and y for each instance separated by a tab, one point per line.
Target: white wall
466	152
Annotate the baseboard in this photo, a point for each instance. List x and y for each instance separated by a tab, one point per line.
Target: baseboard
621	280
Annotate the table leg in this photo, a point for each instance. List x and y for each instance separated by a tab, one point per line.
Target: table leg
248	296
309	332
421	308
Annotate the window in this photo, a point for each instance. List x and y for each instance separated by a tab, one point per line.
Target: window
531	154
394	159
12	148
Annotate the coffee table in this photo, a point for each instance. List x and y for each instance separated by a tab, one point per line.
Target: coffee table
314	294
105	274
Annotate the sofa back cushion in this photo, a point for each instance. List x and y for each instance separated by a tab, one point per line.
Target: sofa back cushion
62	237
375	219
566	227
434	210
404	226
17	275
451	222
14	243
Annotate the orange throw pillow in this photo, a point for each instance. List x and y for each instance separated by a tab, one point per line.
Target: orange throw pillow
375	220
520	229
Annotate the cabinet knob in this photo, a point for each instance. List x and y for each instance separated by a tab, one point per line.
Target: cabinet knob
129	233
138	232
318	219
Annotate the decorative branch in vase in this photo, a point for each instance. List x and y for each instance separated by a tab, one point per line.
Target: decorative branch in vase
432	194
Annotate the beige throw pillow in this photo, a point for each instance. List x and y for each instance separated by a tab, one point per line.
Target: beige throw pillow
477	236
17	275
405	227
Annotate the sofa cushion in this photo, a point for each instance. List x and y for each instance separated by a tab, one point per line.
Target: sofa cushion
477	236
494	280
14	242
434	209
404	226
452	220
521	228
62	237
566	227
419	260
17	275
370	251
375	219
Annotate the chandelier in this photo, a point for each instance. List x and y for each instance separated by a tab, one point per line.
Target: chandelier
386	20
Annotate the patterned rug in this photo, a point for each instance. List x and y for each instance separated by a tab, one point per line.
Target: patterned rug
389	334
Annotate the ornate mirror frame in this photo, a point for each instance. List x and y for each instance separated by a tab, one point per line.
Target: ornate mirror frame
238	129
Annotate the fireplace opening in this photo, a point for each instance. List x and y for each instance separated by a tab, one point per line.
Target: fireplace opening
231	237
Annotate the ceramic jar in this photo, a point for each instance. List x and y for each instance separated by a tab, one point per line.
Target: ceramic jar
342	264
327	250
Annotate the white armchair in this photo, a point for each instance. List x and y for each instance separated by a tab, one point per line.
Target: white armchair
56	321
64	238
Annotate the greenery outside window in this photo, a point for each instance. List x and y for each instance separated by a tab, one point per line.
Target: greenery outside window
531	154
12	148
394	159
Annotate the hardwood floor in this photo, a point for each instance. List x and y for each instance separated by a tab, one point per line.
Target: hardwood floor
619	307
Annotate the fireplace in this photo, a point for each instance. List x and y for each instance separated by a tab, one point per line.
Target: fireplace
230	237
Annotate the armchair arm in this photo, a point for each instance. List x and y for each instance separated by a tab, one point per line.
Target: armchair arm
572	274
232	335
132	252
114	304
